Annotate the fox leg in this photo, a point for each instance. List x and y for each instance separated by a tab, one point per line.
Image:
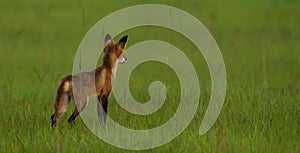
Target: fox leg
79	106
74	115
102	109
61	105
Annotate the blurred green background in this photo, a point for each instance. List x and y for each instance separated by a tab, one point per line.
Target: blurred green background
259	40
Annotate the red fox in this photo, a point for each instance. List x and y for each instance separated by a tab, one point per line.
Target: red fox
98	82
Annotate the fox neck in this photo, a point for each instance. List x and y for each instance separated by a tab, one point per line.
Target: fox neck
111	63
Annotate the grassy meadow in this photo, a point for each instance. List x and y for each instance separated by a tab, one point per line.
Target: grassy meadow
259	41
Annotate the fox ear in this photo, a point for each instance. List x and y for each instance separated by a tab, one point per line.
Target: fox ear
107	40
122	42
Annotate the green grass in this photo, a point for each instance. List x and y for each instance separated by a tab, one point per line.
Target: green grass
259	41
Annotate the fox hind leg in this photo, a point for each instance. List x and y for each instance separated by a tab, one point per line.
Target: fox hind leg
79	106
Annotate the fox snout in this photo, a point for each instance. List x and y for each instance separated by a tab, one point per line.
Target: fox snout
122	60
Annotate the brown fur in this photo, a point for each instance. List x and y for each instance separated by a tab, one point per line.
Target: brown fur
83	85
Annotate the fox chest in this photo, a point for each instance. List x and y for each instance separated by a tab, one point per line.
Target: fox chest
104	86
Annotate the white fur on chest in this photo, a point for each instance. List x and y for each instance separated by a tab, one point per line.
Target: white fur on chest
115	69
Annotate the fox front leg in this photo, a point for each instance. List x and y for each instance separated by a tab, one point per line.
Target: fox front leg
102	109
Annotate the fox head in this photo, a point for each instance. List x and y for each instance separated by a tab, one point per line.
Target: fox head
115	51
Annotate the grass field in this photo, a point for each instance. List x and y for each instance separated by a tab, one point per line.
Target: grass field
259	40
